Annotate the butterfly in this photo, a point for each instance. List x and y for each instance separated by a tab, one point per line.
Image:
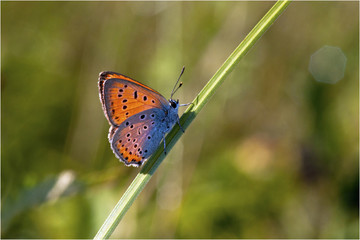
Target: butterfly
139	116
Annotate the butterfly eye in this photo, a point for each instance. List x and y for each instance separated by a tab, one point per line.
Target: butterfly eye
173	104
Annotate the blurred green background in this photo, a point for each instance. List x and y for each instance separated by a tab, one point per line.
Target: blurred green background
274	154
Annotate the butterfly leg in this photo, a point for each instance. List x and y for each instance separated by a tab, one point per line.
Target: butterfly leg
164	146
185	104
178	122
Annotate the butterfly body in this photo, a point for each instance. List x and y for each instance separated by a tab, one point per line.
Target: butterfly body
139	117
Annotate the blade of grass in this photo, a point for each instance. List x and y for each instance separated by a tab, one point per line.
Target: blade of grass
189	115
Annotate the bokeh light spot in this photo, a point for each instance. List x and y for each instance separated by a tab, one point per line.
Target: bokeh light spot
328	64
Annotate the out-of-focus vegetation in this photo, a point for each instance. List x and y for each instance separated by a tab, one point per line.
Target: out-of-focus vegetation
273	155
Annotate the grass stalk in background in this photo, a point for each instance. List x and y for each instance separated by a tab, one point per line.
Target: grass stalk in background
189	115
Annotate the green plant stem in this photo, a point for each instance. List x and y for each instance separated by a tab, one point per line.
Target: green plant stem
189	115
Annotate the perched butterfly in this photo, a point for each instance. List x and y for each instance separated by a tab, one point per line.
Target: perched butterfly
139	116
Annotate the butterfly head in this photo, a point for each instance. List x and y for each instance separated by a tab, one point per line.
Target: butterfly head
171	113
174	103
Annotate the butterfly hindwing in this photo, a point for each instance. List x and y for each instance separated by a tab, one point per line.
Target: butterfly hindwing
138	137
123	97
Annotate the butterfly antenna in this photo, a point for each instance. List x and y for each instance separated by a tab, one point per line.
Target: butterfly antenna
176	88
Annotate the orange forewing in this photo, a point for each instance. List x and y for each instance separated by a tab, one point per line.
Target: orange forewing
109	75
123	97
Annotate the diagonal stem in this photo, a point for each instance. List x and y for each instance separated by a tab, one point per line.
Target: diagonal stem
189	115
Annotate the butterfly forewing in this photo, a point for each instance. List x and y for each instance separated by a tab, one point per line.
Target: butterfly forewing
109	75
123	97
138	137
